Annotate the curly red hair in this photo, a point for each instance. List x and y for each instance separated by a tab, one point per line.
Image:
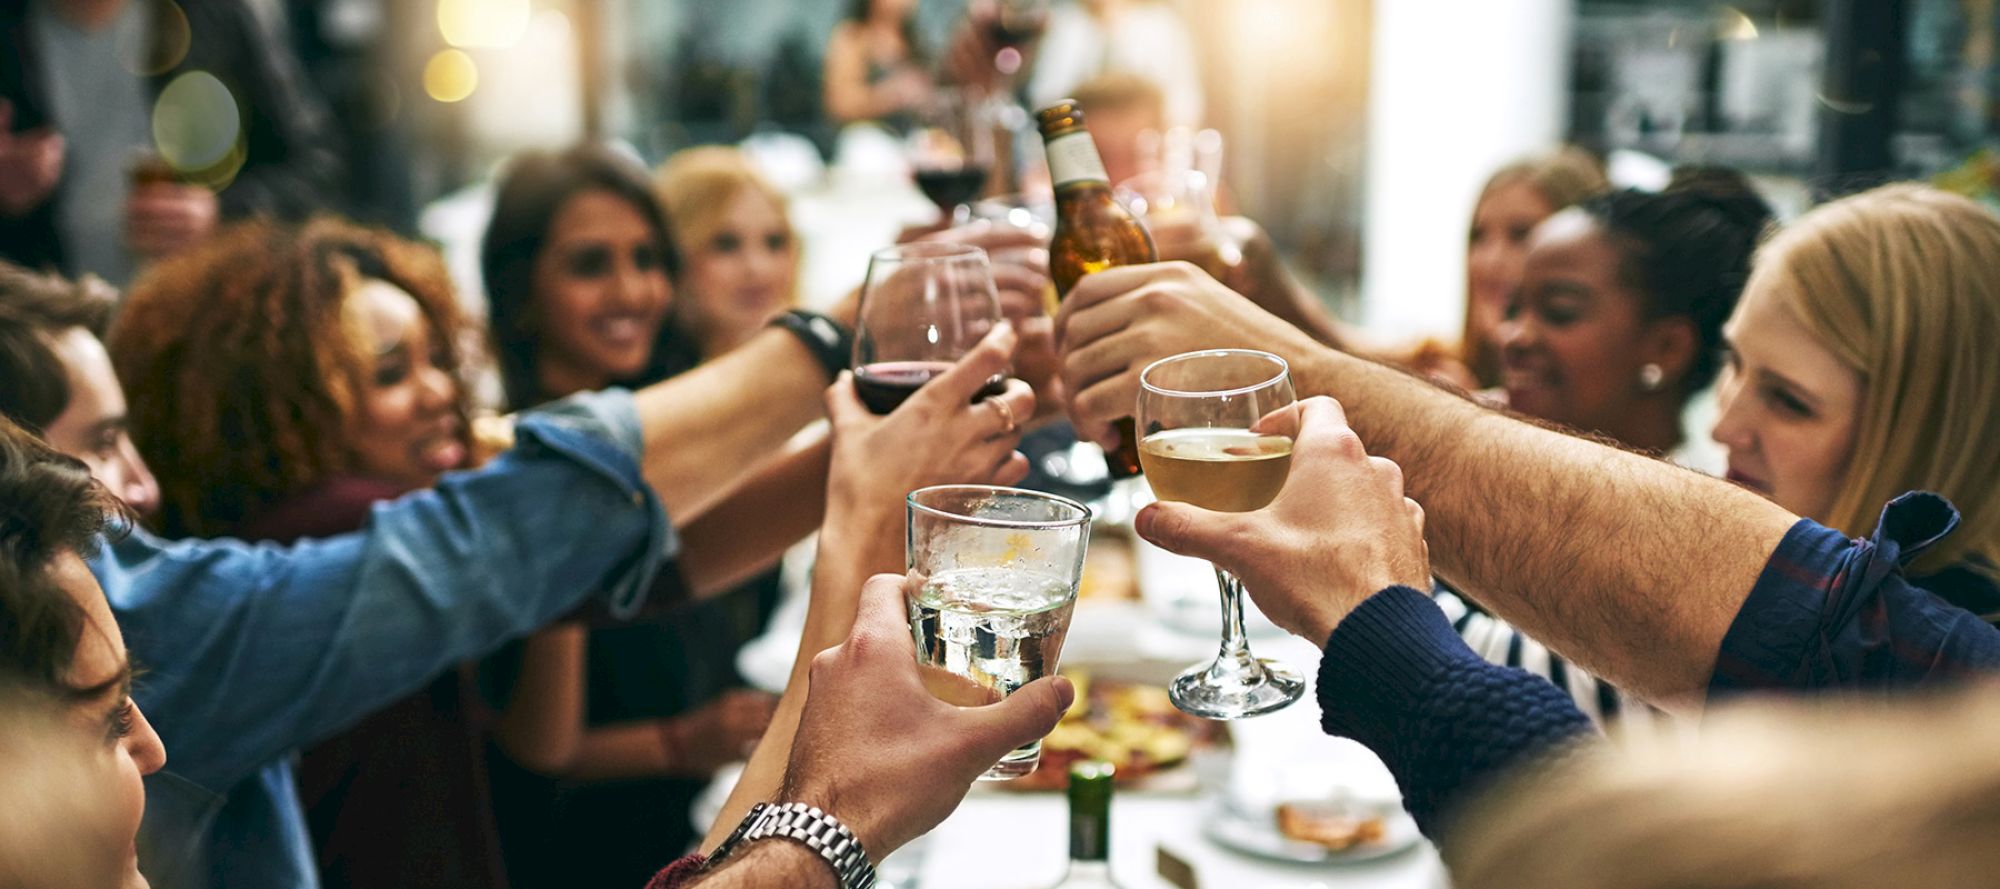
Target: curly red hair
243	374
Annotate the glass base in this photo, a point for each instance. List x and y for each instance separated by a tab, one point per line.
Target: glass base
1214	691
1020	761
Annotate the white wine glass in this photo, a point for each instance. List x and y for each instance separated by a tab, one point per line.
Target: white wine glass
1202	443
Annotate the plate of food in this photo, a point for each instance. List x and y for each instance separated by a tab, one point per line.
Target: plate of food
1318	830
1132	725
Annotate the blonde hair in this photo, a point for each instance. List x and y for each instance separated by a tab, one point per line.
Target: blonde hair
1823	794
1565	176
1902	285
697	185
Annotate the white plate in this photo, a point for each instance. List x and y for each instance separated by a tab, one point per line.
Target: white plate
1258	835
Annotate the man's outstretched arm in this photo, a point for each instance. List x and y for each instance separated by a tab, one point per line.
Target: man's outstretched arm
1630	566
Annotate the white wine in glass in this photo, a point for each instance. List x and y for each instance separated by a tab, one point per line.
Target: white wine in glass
1204	444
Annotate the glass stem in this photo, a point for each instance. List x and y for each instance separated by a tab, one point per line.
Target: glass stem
1235	643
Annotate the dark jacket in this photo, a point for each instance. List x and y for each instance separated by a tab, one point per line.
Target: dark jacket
289	167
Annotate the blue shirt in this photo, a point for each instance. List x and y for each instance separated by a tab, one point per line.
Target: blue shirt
1829	612
249	652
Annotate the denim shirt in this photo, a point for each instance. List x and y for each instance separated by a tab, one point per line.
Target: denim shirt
250	652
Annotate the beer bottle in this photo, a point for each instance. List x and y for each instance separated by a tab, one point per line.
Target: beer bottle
1093	232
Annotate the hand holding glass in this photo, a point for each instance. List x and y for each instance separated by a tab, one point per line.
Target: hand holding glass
923	306
993	574
1203	445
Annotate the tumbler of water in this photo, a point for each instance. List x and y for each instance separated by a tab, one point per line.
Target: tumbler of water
993	574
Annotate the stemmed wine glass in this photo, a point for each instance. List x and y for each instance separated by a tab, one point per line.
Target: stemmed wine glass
1014	25
951	151
1203	444
923	306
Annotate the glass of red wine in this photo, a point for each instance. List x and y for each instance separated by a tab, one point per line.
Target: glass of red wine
1016	23
951	151
924	306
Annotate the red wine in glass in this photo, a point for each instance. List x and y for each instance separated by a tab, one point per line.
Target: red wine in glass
951	188
885	385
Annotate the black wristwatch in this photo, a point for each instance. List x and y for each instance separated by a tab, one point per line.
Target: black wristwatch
829	340
819	831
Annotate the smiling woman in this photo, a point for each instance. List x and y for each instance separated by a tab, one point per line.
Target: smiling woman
1618	318
283	380
326	351
741	256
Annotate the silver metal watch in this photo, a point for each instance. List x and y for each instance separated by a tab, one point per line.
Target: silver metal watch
819	831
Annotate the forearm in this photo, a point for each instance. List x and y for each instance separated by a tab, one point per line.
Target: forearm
1629	566
641	749
705	429
859	540
752	527
1447	724
541	727
770	863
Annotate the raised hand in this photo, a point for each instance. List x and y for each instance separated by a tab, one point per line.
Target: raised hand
1339	531
30	164
879	751
941	435
165	218
1119	320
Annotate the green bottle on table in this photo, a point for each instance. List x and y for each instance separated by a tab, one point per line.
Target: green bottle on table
1089	827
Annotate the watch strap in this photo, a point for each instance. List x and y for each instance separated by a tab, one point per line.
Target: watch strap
811	826
829	341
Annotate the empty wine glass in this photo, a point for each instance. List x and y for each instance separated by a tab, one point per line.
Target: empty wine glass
1202	443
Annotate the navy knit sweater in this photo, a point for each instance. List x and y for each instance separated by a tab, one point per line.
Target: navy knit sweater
1398	679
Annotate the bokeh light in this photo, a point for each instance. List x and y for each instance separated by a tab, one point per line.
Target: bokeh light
450	76
482	23
197	125
148	53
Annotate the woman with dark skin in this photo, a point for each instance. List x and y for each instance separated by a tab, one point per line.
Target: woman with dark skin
328	379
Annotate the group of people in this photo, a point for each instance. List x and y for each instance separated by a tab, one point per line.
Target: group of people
283	603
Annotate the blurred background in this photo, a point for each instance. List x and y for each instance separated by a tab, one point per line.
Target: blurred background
1358	132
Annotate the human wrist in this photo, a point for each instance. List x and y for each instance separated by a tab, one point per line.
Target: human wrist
868	830
1383	656
773	862
830	342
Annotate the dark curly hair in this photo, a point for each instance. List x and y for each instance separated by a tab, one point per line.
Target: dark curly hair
48	506
531	192
244	379
34	308
1686	251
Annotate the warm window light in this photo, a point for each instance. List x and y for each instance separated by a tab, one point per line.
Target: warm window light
450	76
1734	25
487	23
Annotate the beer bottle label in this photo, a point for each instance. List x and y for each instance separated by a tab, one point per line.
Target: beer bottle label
1073	158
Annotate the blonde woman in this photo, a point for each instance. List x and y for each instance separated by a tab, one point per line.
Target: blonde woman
739	255
1865	362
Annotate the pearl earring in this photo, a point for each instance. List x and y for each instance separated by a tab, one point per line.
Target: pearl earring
1651	377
